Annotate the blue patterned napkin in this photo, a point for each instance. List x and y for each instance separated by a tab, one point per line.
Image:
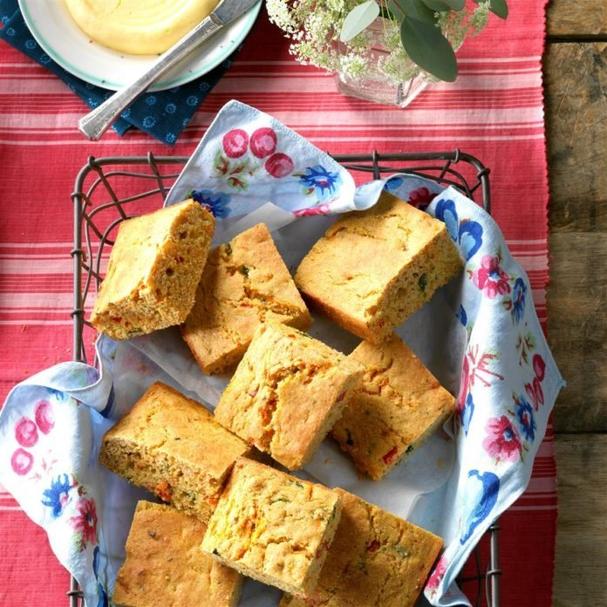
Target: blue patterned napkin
480	336
162	114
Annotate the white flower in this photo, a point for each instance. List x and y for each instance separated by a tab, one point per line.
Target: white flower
313	26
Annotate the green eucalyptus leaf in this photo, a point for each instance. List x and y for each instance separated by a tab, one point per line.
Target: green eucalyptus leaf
416	9
445	5
498	7
428	48
359	19
396	10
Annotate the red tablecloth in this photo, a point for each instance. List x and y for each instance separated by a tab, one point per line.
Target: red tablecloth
494	111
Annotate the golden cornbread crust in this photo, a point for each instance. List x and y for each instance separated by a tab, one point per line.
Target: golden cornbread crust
372	269
245	283
154	269
172	446
273	527
376	560
287	393
398	404
165	567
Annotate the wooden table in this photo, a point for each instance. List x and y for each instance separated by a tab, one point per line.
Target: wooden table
576	103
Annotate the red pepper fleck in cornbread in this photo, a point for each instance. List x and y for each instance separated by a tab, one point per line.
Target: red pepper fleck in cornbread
245	283
287	393
372	269
398	404
376	560
154	269
172	446
273	527
165	567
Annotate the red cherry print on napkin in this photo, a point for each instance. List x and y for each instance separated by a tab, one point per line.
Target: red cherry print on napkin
263	142
235	143
539	366
26	432
22	462
279	165
45	419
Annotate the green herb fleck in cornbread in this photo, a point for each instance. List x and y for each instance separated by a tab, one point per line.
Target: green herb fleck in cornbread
154	269
373	269
398	404
287	393
376	560
165	567
172	446
245	283
273	527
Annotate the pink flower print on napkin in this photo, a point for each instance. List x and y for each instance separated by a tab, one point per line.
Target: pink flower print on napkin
235	143
321	209
263	142
503	441
490	278
421	197
437	575
26	432
279	165
85	522
45	420
22	462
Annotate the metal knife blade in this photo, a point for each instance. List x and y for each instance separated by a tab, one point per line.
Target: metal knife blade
228	10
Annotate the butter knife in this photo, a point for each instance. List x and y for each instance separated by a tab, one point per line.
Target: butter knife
95	123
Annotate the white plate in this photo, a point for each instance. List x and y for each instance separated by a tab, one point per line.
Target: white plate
63	41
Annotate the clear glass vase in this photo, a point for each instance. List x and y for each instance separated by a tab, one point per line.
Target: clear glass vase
375	85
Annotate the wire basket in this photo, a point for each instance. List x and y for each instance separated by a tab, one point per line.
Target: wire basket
109	190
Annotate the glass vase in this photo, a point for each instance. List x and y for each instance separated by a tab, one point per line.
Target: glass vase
375	85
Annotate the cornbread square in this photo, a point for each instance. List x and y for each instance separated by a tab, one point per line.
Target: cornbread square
372	269
287	393
376	560
273	527
165	566
154	269
172	446
398	404
245	283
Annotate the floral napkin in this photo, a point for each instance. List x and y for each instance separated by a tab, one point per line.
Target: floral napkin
480	336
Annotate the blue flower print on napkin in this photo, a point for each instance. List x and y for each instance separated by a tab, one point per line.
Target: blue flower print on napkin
217	202
483	504
519	293
58	494
525	417
320	180
468	233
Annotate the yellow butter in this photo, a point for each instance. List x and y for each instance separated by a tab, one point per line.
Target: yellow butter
138	27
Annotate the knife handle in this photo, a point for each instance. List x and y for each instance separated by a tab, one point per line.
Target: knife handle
96	122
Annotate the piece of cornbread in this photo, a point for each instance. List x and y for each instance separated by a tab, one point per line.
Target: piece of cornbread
372	269
376	560
155	266
245	283
172	446
287	393
273	527
398	404
165	566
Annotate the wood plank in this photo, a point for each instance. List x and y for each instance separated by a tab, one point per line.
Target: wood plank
576	106
577	17
581	541
577	328
576	121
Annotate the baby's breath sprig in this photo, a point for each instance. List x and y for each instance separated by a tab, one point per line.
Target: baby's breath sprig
418	35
